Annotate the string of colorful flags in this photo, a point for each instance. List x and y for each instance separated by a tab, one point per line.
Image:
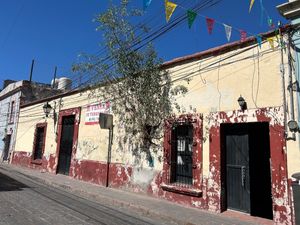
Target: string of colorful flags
170	8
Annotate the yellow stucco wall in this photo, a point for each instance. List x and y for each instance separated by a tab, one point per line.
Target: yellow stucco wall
212	86
92	141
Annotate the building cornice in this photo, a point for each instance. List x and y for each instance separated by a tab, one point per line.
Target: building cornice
221	49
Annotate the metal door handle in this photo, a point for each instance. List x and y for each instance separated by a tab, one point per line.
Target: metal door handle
243	175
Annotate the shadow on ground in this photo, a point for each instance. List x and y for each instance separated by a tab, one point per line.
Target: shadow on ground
9	184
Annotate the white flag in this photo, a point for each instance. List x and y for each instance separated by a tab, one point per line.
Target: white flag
228	30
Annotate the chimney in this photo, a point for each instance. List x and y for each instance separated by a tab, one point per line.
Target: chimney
7	82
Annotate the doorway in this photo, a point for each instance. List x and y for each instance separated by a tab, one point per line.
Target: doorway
66	144
6	147
246	175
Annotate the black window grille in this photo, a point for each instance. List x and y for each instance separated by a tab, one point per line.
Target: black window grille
39	143
182	155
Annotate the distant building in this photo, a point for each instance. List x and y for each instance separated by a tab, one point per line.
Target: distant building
14	94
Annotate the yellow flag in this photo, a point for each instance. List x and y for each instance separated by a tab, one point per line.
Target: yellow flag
271	42
170	8
251	4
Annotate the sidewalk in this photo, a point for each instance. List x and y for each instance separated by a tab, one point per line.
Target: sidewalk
142	203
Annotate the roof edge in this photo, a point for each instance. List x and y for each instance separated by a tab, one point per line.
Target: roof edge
178	61
53	97
220	49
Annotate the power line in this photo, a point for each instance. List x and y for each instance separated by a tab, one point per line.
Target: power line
15	20
154	35
218	61
204	69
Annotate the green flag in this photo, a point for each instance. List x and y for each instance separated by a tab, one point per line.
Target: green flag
191	17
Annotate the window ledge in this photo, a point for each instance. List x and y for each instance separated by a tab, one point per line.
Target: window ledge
37	161
182	190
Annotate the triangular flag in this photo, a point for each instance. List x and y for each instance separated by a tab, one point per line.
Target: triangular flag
170	8
271	42
146	4
270	23
280	41
251	4
210	24
228	30
259	40
191	17
243	35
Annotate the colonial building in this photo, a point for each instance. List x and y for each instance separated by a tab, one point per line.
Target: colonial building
13	94
229	147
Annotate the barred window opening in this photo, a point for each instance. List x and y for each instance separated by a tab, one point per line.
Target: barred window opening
39	143
182	155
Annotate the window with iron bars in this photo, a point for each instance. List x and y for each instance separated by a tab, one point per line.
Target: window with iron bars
182	155
39	141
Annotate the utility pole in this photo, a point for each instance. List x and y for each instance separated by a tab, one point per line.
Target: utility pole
110	130
290	85
282	71
54	77
31	71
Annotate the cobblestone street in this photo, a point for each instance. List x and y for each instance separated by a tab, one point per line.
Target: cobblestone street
25	201
29	196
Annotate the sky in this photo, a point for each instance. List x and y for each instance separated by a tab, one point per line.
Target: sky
56	32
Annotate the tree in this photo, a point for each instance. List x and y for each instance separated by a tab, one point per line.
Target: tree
134	81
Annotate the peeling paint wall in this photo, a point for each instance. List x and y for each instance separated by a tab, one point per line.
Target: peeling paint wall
213	92
279	178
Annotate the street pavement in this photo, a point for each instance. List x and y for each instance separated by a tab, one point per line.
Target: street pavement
24	201
31	197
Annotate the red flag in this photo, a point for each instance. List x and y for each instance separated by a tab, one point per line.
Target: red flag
243	35
210	24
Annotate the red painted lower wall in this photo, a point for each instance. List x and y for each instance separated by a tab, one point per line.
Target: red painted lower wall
86	170
121	176
24	159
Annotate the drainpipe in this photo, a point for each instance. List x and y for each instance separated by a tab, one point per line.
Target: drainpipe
290	86
283	84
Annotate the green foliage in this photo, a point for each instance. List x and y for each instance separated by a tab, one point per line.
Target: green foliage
135	83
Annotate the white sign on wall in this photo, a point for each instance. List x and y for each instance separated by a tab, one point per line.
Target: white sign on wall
93	111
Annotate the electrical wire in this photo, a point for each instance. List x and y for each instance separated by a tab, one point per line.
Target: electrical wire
202	70
225	76
173	71
154	35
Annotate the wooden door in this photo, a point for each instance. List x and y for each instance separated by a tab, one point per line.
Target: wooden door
237	169
6	147
66	144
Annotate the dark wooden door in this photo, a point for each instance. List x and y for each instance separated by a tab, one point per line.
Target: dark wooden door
66	144
6	147
237	169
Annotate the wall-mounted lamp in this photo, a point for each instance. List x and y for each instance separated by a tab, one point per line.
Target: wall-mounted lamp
293	126
242	103
47	108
